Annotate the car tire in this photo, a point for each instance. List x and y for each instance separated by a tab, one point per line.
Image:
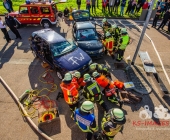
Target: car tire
59	75
46	24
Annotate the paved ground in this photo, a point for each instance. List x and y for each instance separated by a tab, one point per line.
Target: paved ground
21	71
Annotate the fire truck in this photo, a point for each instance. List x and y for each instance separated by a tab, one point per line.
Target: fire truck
41	13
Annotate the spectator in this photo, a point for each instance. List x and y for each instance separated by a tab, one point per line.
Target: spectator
165	20
5	32
134	3
107	6
117	3
11	23
155	20
145	5
93	5
111	5
66	14
78	4
11	4
7	6
162	5
142	2
158	3
129	7
88	6
150	3
138	6
123	3
104	3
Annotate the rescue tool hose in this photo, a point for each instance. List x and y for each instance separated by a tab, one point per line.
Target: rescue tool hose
23	110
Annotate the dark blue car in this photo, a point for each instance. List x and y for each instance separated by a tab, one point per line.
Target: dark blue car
85	35
60	54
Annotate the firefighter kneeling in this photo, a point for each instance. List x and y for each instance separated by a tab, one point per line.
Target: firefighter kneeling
108	42
92	92
111	124
109	88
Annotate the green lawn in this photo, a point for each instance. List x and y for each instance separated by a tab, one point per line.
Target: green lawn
69	3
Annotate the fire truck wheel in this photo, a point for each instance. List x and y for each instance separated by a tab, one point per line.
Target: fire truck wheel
46	24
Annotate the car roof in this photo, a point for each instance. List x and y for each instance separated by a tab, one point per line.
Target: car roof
84	25
49	35
37	4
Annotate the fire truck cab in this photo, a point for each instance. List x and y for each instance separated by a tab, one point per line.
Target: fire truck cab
36	13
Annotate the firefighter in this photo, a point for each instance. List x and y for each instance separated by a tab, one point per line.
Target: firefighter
85	119
112	123
92	92
108	42
70	92
109	88
115	32
100	68
78	80
106	25
122	44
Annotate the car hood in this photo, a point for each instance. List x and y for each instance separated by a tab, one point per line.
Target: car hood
73	60
90	45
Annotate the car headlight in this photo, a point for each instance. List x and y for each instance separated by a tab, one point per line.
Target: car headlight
90	62
101	50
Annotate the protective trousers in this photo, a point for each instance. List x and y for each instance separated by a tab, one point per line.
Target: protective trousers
120	54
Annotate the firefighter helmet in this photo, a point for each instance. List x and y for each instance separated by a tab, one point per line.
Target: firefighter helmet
95	74
104	20
114	26
93	66
108	34
77	74
123	31
87	106
67	77
86	76
117	114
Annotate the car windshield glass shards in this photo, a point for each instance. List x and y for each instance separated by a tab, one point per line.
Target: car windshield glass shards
60	48
81	15
86	34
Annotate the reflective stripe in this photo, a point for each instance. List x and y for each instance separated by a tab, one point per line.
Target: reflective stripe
125	41
91	87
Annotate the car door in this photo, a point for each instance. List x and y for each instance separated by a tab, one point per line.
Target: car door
24	15
35	15
74	33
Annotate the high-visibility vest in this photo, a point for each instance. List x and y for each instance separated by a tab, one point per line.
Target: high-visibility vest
114	129
70	93
125	42
109	42
102	81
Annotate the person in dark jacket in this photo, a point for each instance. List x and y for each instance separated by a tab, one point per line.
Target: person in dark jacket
5	32
117	3
155	20
93	5
11	4
123	4
11	23
165	20
8	5
66	14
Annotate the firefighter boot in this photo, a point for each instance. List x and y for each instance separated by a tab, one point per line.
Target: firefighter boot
105	107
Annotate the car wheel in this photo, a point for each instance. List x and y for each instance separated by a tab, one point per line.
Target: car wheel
46	24
59	75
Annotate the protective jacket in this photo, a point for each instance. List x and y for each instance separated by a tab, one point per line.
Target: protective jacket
70	93
92	91
106	26
115	33
85	121
109	44
78	82
124	41
110	128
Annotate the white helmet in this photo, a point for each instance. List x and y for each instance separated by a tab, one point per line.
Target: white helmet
108	34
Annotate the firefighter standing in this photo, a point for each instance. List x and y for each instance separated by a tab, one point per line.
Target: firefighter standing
115	32
106	25
108	42
85	119
112	123
122	44
92	92
70	92
109	88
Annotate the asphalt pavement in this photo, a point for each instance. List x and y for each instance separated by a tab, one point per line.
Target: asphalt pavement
21	70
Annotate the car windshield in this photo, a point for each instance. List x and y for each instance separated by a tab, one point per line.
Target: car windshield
81	15
60	48
86	34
